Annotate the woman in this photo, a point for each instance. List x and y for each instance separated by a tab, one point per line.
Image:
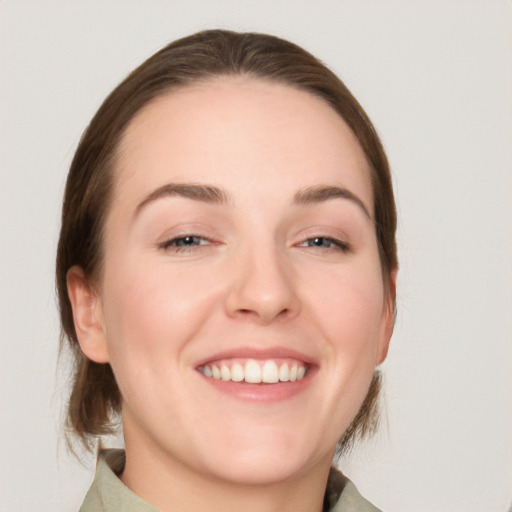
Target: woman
226	273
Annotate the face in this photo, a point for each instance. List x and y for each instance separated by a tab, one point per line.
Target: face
241	302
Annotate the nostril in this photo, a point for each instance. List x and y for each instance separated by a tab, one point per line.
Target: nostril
246	311
262	298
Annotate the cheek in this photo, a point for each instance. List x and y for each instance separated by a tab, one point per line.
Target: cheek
347	306
150	317
156	309
352	295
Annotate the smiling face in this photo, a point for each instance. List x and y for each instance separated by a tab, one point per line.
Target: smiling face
239	247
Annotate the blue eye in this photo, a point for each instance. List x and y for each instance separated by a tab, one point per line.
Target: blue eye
182	243
322	242
187	241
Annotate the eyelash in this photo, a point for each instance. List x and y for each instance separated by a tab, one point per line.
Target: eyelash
172	244
312	242
334	244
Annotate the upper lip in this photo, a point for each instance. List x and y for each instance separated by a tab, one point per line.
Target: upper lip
258	353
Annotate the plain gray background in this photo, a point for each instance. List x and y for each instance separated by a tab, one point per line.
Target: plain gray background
436	78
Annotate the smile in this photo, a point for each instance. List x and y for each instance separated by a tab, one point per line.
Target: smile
270	371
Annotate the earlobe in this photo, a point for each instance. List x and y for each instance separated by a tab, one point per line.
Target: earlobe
87	316
388	320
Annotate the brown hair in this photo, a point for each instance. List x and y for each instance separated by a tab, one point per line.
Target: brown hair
95	399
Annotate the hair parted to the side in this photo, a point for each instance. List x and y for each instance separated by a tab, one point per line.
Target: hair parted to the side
95	400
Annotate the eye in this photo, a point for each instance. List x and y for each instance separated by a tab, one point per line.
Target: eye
323	242
183	243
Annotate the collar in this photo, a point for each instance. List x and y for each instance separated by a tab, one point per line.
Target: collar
109	494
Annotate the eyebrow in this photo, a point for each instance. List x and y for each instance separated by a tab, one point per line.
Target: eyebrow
215	195
320	193
198	192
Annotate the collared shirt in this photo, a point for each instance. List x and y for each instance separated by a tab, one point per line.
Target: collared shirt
109	494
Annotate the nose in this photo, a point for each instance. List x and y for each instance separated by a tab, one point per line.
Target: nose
263	288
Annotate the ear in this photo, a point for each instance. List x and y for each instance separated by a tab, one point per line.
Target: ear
87	316
388	318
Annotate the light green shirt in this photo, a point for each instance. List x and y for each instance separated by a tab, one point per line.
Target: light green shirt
109	494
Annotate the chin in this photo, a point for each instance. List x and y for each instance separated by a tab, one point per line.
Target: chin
264	459
255	469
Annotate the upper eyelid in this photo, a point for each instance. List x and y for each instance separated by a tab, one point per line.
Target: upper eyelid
194	229
213	235
322	232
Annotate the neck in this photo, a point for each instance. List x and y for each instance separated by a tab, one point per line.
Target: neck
170	486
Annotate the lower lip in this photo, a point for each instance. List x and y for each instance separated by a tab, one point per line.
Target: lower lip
261	392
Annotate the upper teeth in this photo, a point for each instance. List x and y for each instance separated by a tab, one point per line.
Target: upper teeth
255	372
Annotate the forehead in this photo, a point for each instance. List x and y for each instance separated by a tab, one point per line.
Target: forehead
241	128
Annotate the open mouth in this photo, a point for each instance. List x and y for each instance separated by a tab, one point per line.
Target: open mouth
253	371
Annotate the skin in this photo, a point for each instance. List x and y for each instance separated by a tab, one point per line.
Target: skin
254	279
